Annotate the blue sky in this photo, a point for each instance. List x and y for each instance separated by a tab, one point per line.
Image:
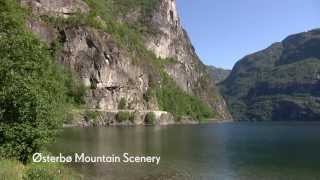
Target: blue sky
223	31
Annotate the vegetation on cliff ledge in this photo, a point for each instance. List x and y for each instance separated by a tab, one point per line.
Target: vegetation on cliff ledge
128	35
172	99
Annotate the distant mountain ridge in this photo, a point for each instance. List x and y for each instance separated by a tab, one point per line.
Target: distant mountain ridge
218	74
279	83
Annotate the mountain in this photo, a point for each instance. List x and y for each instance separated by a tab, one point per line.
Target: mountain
280	83
218	74
133	54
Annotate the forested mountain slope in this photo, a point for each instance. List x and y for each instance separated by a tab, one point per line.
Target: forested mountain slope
279	83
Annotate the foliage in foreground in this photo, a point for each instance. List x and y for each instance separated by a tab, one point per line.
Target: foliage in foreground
33	88
14	170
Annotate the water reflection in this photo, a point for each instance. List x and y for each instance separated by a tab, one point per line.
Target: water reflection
224	151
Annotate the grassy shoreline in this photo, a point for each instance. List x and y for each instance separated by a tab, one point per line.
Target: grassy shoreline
14	170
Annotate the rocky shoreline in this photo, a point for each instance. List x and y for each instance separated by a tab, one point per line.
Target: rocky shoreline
103	118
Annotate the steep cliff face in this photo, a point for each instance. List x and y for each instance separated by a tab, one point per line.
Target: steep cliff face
105	54
279	83
165	21
105	69
170	40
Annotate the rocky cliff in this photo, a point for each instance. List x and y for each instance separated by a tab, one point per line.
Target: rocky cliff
279	83
127	51
63	8
170	40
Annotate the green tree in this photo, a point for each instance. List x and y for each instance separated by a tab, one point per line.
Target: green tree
32	89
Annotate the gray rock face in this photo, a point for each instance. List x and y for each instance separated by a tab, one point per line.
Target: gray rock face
170	40
105	69
63	8
166	20
44	32
109	72
109	118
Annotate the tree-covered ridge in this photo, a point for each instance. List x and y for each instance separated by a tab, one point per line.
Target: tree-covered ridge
279	83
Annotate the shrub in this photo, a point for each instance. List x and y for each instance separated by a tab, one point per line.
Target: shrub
35	173
92	115
32	88
172	99
150	118
122	104
70	117
14	170
125	116
149	95
76	90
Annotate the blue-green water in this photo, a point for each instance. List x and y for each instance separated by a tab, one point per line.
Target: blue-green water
233	151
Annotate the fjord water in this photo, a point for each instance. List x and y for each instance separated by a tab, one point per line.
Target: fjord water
232	151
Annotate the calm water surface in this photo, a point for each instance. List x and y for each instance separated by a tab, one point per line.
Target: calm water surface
234	151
